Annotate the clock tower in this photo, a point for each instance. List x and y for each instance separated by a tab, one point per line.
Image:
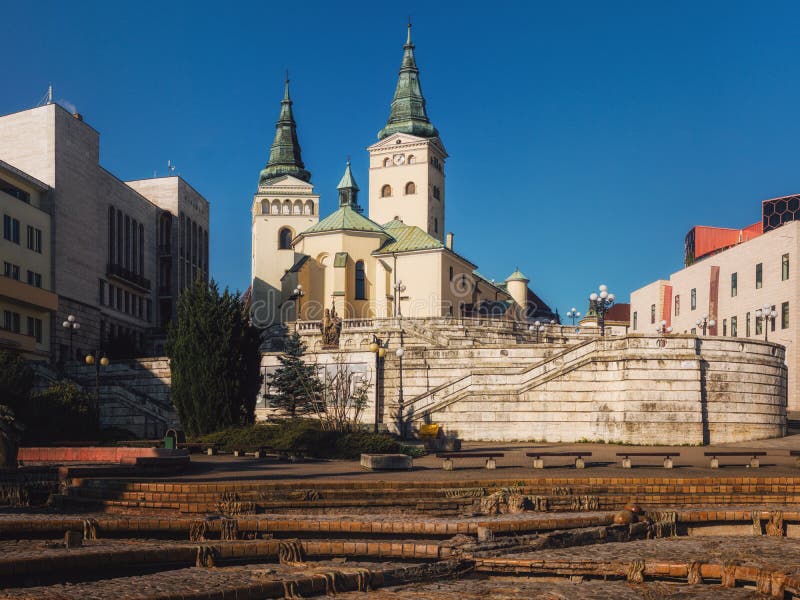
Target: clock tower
406	166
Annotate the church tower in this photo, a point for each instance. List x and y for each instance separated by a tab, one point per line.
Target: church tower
406	176
284	205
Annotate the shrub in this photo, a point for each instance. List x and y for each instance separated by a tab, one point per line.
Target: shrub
62	412
16	380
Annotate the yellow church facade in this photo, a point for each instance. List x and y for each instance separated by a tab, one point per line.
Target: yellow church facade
394	261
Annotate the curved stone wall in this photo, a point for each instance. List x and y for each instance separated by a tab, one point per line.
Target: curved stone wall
635	389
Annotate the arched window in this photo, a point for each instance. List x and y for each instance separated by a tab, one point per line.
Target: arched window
309	208
387	162
285	239
287	207
361	283
298	208
411	188
265	207
386	191
276	207
412	159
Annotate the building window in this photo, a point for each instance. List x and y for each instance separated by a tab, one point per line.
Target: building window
677	305
693	299
411	188
694	331
435	225
747	325
361	284
451	273
386	191
772	326
734	284
127	303
724	326
101	292
111	232
14	191
635	320
784	267
759	276
437	193
11	321
785	315
734	326
387	162
652	314
119	298
11	229
285	239
11	270
34	239
759	325
35	329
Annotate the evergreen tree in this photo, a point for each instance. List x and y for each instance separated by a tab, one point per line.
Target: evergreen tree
16	380
215	360
297	388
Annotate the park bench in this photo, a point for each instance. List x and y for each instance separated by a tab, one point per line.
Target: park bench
754	462
538	461
255	451
448	457
626	457
210	449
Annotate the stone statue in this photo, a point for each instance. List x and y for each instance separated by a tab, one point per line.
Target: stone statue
331	327
9	438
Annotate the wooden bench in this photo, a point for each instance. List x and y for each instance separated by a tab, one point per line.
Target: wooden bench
255	451
754	462
626	460
448	457
210	449
538	462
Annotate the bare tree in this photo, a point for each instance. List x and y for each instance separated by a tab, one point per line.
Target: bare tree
345	394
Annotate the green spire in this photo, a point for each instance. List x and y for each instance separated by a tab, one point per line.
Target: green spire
348	189
284	156
408	106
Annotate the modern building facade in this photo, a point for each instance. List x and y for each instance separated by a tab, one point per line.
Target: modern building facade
108	251
731	276
27	302
395	260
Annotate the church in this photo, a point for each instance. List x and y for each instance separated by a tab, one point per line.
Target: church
394	261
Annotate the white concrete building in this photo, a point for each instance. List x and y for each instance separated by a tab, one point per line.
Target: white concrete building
729	284
108	257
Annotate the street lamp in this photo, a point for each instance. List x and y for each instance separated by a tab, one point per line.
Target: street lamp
573	314
297	296
400	403
663	329
769	315
601	302
72	325
705	322
399	288
536	328
98	359
378	348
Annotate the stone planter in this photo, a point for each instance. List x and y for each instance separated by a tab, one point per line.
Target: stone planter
386	462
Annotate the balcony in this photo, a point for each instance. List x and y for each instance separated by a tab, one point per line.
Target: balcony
22	293
127	276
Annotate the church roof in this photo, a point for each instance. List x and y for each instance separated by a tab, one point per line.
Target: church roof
346	218
406	238
408	113
284	155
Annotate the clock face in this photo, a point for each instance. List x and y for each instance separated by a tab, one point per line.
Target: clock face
399	159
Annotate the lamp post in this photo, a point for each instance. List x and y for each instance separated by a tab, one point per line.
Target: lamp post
536	328
98	359
399	288
72	325
573	314
400	403
601	302
297	296
769	315
379	349
663	329
705	322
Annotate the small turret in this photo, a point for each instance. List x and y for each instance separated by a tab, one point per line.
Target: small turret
348	189
517	286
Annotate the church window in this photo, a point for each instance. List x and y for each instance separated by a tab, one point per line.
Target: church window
298	208
285	239
437	193
276	208
387	162
287	208
411	188
309	208
451	273
412	159
435	225
361	289
265	208
386	191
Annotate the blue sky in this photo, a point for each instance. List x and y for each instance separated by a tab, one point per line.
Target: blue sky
584	139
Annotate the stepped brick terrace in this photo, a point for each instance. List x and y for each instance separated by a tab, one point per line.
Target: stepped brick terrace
244	527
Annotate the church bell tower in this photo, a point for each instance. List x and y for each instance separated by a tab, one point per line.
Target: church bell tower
406	171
